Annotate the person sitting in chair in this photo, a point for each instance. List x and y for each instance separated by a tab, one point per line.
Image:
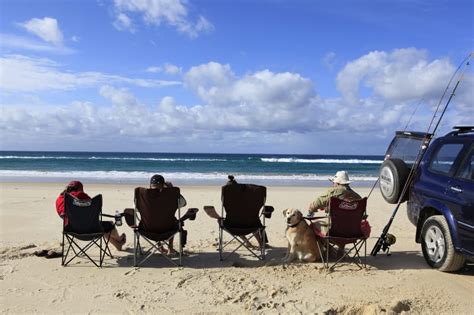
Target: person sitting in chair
232	181
76	189
340	188
157	182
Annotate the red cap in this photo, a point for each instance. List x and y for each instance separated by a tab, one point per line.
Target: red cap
76	184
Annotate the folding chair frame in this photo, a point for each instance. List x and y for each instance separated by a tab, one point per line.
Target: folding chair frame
357	244
356	248
155	245
97	239
260	231
261	248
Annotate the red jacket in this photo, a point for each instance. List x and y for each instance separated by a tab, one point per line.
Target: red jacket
60	202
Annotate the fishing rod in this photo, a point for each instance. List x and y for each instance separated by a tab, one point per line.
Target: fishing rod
386	240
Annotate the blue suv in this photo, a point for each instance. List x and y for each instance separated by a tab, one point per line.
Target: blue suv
441	194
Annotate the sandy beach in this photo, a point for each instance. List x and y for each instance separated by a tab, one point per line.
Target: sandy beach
400	283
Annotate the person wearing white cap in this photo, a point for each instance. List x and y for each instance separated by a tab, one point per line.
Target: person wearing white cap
340	189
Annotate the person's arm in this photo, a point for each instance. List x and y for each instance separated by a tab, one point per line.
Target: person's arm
320	202
60	205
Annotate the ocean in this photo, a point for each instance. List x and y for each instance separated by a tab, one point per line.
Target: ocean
185	168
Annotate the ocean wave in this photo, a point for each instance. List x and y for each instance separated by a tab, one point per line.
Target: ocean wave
322	161
157	159
23	157
110	158
120	176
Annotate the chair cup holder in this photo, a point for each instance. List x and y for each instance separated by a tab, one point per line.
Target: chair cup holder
191	214
267	211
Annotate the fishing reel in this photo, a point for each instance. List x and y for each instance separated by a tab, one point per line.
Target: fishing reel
388	241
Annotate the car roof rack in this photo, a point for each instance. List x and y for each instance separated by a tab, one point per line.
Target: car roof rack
460	130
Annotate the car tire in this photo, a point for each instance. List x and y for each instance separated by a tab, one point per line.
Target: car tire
392	178
437	245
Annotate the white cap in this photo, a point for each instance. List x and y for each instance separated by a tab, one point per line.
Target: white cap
341	177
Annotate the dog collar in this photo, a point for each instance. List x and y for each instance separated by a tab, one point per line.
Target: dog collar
293	225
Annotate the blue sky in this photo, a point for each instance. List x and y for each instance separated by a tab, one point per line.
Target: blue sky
321	77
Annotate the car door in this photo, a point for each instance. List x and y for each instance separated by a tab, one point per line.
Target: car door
444	161
460	194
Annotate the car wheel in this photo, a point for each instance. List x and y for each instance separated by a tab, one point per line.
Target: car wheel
437	245
393	176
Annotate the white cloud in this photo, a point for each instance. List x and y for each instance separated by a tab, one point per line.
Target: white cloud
20	73
75	39
155	12
17	42
400	75
154	69
47	29
123	23
167	68
172	69
241	112
329	60
203	25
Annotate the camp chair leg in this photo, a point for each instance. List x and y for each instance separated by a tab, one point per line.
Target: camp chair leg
105	250
328	249
135	246
320	252
356	249
262	241
241	243
101	252
81	250
180	233
63	257
64	262
155	248
107	247
221	235
365	254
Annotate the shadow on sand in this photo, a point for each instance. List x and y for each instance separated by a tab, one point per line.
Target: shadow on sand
206	260
408	260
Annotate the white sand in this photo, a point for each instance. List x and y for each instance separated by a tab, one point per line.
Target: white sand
29	284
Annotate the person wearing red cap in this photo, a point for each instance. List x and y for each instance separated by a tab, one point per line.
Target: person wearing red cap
76	189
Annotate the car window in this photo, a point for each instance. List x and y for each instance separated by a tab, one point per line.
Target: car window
405	149
467	170
445	157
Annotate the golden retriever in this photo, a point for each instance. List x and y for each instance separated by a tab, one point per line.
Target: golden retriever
302	242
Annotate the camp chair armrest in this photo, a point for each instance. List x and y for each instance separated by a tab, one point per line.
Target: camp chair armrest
316	218
108	215
267	211
211	212
365	216
190	214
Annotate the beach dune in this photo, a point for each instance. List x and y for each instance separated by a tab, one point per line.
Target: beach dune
399	283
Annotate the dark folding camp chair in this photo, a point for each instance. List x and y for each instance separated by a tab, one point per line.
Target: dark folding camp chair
242	204
347	226
84	225
158	223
